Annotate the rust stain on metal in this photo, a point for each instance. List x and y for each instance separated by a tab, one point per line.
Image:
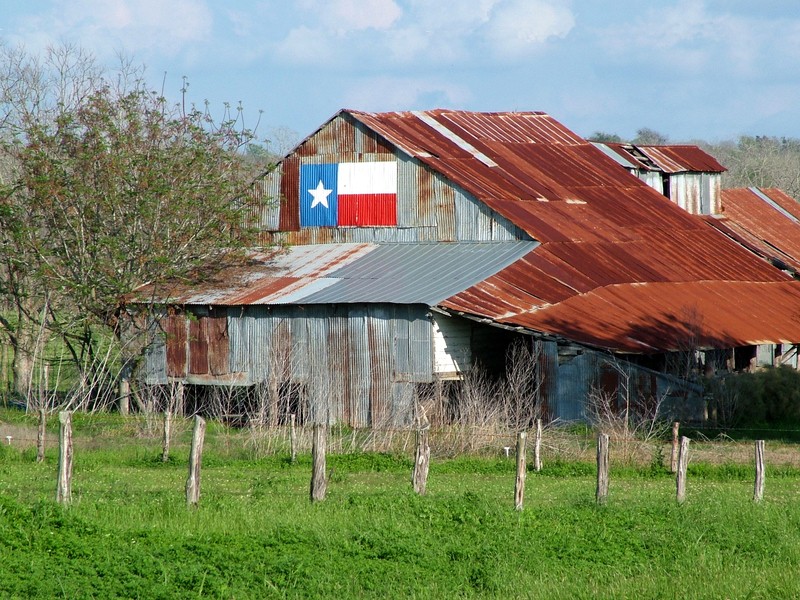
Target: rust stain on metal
618	264
198	346
218	343
175	340
290	195
677	158
771	230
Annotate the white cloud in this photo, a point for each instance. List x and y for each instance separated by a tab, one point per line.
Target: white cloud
344	16
305	45
106	26
688	37
363	14
517	27
420	32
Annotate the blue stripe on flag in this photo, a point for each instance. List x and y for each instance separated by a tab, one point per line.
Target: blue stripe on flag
318	200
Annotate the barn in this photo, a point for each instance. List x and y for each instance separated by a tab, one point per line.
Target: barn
405	250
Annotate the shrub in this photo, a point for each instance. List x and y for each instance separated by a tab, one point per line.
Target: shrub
767	397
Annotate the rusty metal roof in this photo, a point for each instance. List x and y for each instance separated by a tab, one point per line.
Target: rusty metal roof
616	256
766	221
682	158
617	265
672	158
425	273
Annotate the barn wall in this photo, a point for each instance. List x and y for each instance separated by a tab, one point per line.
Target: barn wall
353	364
429	208
361	364
697	193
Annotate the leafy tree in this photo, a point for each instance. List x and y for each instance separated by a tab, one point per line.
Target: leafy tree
650	137
603	137
114	190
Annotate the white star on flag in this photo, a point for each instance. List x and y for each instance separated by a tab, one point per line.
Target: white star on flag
320	195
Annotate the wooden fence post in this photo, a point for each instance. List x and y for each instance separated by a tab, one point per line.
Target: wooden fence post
602	468
293	438
64	487
40	435
537	447
758	492
422	459
167	434
683	461
673	463
195	460
519	487
319	481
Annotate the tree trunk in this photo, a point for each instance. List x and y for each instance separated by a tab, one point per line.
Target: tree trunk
29	339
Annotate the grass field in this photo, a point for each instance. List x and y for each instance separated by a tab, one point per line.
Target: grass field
128	532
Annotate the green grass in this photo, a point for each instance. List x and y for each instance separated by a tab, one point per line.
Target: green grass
128	532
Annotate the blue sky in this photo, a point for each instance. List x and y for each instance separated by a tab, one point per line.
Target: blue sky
702	69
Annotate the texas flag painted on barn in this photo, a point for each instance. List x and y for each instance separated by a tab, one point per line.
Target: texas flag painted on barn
348	194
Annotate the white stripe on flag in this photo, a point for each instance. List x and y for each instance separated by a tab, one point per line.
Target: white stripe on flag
367	178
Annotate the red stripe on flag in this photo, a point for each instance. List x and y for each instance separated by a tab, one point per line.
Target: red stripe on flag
367	210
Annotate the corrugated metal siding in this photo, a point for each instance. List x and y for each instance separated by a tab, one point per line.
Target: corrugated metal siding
653	179
155	362
549	377
360	367
357	363
696	193
175	330
678	158
267	191
198	345
764	221
426	206
218	348
575	378
380	340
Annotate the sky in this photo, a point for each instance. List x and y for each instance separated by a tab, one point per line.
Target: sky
690	69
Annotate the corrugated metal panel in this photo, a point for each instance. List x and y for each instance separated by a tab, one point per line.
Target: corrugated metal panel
360	361
667	316
403	395
380	336
290	194
155	362
198	345
416	273
267	191
319	360
354	273
175	334
347	358
680	158
218	347
338	366
764	221
574	384
618	155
